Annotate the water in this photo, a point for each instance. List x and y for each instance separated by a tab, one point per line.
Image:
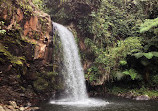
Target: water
115	104
76	98
75	89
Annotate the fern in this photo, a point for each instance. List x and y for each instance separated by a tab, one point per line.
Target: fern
148	24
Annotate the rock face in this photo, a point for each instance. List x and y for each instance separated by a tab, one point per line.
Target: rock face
36	26
26	53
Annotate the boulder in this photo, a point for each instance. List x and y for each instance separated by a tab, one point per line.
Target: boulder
1	108
142	97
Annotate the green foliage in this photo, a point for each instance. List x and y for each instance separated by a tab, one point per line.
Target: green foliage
13	59
123	62
47	81
40	84
118	51
39	4
92	74
145	91
26	7
108	58
148	55
155	79
132	73
134	92
112	21
148	25
51	74
2	31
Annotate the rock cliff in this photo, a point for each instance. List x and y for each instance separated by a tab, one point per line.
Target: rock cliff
26	53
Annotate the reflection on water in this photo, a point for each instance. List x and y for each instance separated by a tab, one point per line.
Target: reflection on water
115	104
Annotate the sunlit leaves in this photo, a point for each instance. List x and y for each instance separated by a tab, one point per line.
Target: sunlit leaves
123	62
2	31
132	73
148	24
148	55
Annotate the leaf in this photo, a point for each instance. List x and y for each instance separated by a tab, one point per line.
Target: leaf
155	54
148	24
126	72
138	55
148	55
123	62
132	73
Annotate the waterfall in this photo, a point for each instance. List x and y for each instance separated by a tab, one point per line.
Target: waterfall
75	88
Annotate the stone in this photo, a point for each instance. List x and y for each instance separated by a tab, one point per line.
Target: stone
13	103
7	109
22	109
143	97
20	15
1	108
11	108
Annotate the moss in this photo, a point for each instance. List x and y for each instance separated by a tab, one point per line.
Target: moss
2	31
27	9
26	40
44	26
51	74
36	35
40	84
16	60
13	59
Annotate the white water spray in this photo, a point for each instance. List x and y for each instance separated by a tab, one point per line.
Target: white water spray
73	71
75	88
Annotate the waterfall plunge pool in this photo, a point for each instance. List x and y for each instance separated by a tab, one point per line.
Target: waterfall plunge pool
115	104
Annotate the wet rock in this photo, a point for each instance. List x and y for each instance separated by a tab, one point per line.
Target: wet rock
22	109
142	97
13	103
11	108
1	108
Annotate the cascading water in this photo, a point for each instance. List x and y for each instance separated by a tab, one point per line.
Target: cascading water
73	71
75	89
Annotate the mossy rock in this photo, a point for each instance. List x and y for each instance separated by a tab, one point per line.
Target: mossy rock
40	84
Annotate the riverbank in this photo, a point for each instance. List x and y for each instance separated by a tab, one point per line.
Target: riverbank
133	94
137	94
125	91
